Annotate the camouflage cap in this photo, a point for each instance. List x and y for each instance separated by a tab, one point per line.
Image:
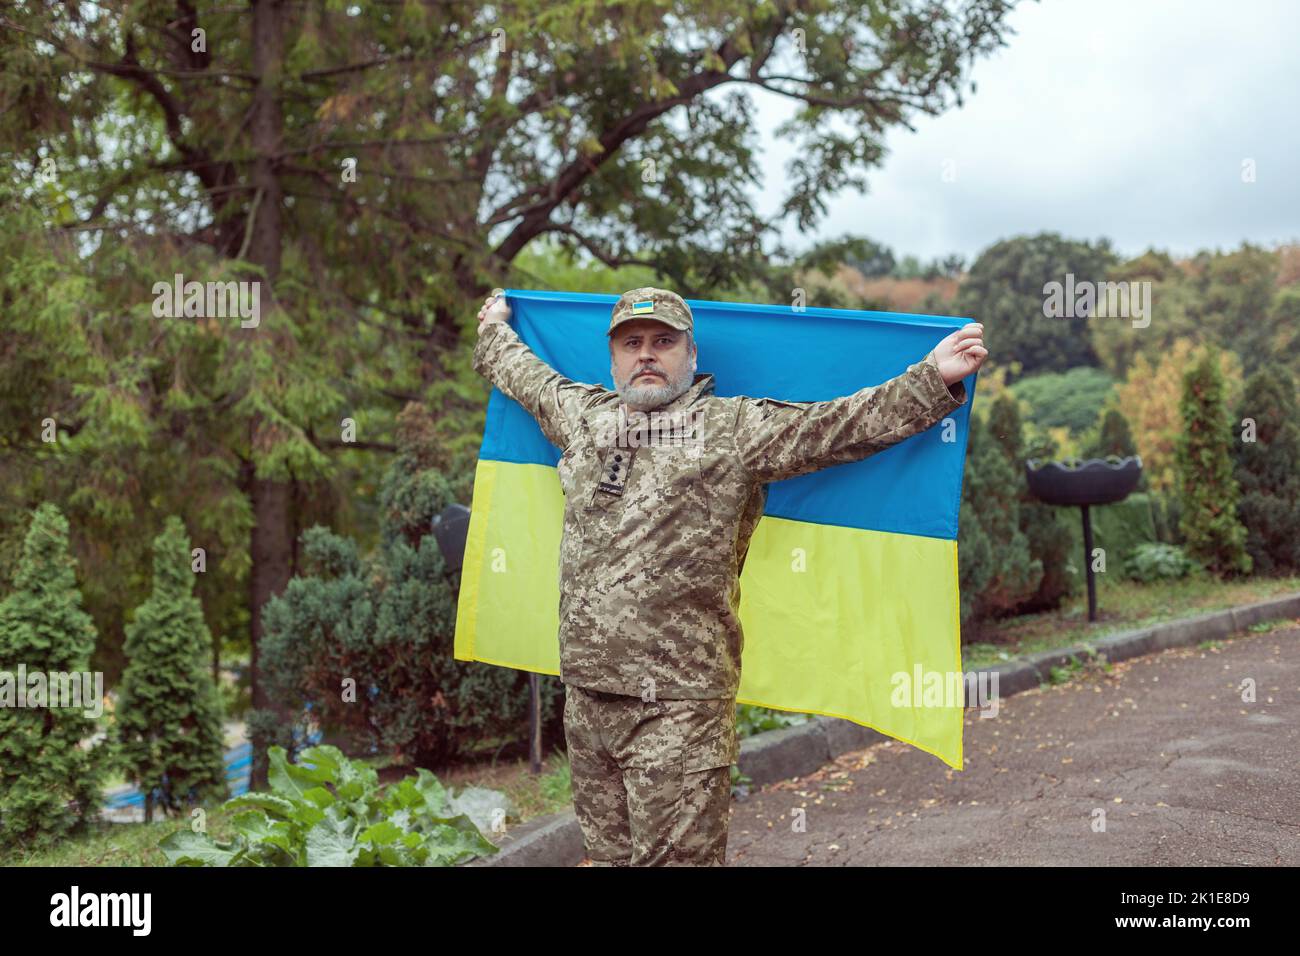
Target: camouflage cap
651	303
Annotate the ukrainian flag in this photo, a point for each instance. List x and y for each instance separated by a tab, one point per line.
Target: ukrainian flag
849	592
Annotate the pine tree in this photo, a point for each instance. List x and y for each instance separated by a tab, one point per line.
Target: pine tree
169	714
1113	437
1268	470
1043	525
1203	467
49	781
1010	573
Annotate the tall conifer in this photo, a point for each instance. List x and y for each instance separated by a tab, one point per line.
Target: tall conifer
50	776
169	714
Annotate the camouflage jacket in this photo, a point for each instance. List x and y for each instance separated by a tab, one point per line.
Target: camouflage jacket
656	532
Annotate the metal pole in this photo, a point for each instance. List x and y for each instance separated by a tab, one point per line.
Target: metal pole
534	724
1087	562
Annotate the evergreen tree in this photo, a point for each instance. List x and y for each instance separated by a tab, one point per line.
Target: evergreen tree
1043	525
1203	467
49	782
1113	436
996	568
1268	470
367	641
169	713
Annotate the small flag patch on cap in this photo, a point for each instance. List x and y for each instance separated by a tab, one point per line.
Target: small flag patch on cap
647	306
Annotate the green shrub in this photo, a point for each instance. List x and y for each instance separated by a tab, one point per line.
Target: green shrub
1074	398
1158	561
235	694
327	810
381	625
1120	527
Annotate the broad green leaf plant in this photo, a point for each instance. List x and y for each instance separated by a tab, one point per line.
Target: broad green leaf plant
327	810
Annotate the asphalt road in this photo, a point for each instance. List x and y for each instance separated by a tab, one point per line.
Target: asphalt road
1184	770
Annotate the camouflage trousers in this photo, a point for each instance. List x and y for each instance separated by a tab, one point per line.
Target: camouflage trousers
651	779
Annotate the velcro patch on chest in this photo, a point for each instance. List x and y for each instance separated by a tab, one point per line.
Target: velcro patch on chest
618	462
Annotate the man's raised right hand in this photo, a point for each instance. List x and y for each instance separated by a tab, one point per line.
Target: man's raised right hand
494	310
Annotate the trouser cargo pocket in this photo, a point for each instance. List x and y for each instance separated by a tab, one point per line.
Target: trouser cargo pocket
718	750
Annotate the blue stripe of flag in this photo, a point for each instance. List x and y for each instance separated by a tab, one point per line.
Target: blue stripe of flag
770	351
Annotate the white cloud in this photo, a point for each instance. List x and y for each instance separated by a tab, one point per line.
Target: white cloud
1100	118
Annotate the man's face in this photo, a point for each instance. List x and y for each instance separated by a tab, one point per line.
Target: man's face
650	362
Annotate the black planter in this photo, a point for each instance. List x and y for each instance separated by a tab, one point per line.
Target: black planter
1097	481
450	529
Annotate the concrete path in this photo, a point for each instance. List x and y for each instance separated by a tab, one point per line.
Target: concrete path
1184	770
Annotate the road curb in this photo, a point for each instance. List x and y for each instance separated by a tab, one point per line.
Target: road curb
551	840
556	839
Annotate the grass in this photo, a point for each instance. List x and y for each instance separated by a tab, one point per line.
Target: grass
116	844
1121	605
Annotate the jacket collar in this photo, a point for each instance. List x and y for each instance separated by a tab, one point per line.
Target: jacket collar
700	387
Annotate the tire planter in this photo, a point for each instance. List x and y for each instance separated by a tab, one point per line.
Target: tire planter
1096	481
450	529
1079	483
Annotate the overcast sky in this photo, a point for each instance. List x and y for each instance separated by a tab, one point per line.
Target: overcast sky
1121	118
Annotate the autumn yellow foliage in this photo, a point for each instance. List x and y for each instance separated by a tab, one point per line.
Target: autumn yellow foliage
1149	398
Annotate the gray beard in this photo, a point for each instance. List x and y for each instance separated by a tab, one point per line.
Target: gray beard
647	397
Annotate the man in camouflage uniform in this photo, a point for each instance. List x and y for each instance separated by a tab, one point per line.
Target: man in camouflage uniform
659	511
